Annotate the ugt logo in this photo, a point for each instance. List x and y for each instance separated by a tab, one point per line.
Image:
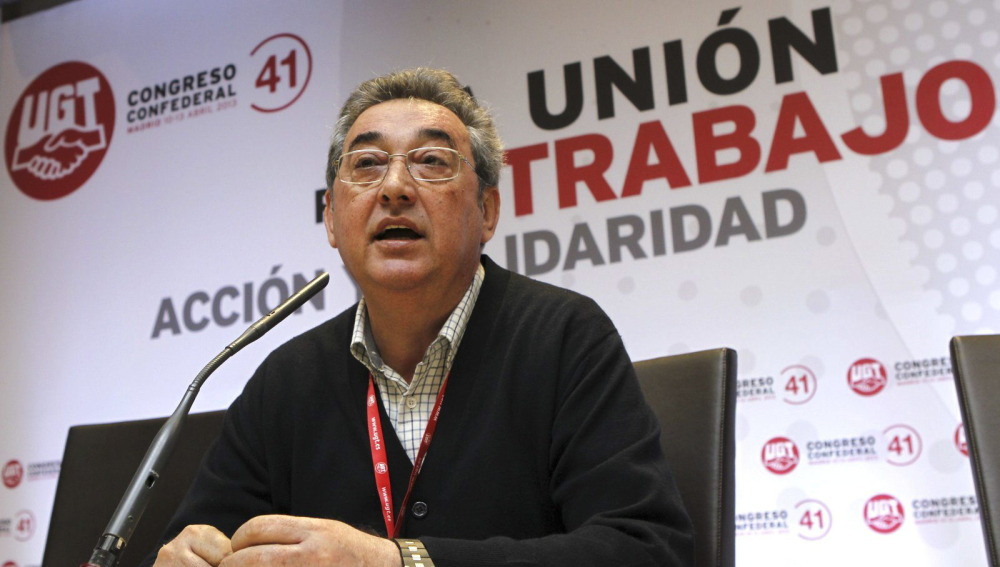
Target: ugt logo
12	473
780	455
884	513
59	130
867	377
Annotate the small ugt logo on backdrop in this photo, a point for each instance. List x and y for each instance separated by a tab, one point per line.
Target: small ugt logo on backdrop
13	472
884	513
59	130
867	377
960	442
780	455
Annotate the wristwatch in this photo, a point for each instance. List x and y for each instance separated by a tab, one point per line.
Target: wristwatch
414	553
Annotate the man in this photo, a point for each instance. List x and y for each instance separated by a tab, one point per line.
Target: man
539	447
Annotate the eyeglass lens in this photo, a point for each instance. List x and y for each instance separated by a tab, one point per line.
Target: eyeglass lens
424	164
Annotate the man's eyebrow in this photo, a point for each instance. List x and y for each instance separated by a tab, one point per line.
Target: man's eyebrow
373	136
365	138
437	134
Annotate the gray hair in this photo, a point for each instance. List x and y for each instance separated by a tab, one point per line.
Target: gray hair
434	85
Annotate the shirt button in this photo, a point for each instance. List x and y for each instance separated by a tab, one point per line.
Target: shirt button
419	510
411	403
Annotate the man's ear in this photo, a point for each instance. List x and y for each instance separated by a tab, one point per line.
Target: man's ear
328	217
491	213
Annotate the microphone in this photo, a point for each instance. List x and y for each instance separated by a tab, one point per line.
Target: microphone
133	503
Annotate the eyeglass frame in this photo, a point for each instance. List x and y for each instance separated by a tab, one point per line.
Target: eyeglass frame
406	163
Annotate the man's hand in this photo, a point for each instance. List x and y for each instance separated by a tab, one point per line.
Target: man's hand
304	542
196	546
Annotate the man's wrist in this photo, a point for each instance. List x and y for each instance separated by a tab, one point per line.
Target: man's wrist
413	553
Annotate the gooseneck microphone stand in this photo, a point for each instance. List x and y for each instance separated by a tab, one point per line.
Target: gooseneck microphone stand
122	525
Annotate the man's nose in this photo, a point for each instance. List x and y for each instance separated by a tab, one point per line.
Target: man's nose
398	185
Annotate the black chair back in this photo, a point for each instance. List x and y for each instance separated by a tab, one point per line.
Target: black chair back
98	463
975	362
694	396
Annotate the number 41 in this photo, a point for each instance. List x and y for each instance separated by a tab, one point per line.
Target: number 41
269	75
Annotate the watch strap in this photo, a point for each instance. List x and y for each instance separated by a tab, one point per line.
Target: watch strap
414	553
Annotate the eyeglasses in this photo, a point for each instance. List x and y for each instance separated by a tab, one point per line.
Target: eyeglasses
367	167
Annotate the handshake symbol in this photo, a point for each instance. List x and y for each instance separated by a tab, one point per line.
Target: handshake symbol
55	156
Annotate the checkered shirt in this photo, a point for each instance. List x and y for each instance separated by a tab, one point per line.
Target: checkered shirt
409	406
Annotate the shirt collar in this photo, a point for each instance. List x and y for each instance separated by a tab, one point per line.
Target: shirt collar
363	345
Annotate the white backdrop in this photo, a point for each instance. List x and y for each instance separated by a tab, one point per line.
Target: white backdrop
696	181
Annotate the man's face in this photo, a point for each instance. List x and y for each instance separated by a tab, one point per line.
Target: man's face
402	234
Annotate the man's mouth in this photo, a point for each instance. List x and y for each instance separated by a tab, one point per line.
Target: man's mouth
397	233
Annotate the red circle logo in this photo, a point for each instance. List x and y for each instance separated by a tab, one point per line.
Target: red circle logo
867	377
285	69
780	455
814	519
24	525
13	472
800	384
10	564
59	131
883	513
960	443
903	445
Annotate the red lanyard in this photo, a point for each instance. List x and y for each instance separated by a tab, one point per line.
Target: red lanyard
380	461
